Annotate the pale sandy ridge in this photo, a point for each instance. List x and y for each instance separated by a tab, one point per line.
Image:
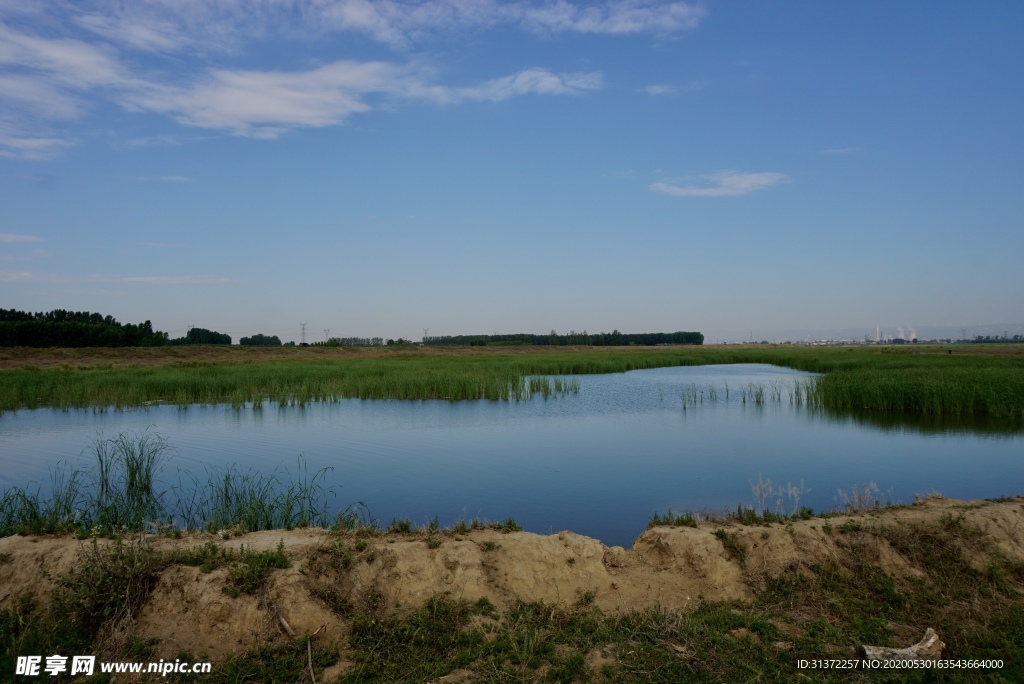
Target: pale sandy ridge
674	568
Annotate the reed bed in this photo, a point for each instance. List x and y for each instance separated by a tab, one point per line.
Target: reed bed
122	493
915	380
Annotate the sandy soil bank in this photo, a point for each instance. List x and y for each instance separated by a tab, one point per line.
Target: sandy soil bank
673	567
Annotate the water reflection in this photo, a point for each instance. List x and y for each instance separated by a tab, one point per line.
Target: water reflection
599	462
928	424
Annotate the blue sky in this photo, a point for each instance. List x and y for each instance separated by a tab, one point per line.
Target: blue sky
381	168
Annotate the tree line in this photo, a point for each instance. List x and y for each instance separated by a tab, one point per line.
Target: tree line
201	336
60	328
260	340
995	339
351	342
612	339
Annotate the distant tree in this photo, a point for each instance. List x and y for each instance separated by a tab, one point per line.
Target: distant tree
60	328
358	341
201	336
260	340
614	338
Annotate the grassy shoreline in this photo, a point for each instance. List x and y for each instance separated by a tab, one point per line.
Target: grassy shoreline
983	380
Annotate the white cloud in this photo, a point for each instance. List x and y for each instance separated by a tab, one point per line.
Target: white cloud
165	26
13	237
177	179
73	63
401	23
615	18
723	184
161	280
661	89
29	147
532	81
146	34
15	276
48	79
841	150
60	62
53	278
264	104
39	96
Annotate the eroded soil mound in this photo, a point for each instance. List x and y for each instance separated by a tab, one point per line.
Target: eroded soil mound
220	597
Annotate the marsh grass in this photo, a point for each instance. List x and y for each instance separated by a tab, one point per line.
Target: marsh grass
917	379
248	570
121	494
863	497
252	500
671	519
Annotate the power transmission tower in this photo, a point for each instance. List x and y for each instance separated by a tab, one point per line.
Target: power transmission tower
303	333
426	332
327	334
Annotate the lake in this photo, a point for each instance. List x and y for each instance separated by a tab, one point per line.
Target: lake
598	462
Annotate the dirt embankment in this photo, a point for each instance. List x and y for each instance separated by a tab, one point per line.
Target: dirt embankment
333	575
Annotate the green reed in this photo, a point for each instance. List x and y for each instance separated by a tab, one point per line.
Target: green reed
121	493
917	379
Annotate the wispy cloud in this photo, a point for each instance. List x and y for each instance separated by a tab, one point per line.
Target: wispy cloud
532	81
660	89
722	184
15	276
168	25
615	18
264	104
14	237
17	141
10	276
841	150
158	244
160	140
61	62
177	179
160	280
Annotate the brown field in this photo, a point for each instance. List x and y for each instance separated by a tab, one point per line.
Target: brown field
57	357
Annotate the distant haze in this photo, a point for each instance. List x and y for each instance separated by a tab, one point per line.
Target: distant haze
924	332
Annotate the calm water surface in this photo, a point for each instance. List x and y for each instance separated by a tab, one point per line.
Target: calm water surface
599	462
